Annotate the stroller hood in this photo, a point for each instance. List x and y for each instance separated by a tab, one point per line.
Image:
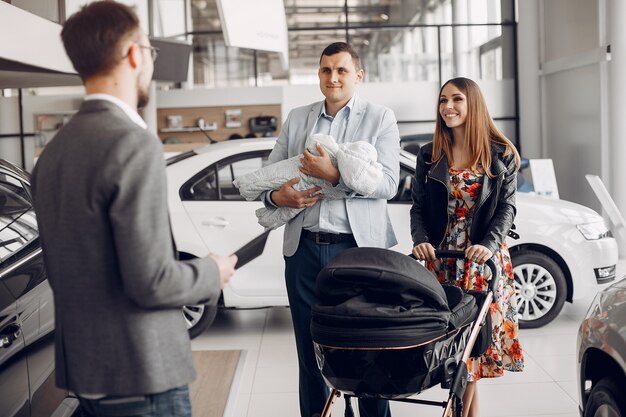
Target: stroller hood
371	293
379	275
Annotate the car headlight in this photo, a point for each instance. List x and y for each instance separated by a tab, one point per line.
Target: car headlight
594	231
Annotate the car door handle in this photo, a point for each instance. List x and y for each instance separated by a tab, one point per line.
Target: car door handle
216	222
9	335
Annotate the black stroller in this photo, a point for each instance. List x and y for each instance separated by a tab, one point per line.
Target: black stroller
386	328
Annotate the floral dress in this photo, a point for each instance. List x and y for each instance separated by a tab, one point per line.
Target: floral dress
505	351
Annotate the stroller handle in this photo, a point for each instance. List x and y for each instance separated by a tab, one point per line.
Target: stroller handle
459	254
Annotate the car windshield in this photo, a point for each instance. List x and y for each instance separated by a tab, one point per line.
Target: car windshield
18	225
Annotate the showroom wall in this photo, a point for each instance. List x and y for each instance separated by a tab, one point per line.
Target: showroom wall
572	95
414	103
33	107
563	69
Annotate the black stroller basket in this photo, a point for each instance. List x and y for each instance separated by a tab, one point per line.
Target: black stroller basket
386	328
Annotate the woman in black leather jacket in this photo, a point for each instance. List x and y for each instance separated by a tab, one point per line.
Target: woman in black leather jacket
464	199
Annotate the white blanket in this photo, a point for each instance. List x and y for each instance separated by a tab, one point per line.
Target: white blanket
356	161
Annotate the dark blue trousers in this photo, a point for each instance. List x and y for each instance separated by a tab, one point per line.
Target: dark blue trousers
172	403
301	271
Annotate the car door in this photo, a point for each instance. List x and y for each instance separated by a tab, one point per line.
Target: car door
14	380
226	221
14	390
27	318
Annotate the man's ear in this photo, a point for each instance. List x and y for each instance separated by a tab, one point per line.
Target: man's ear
360	75
134	55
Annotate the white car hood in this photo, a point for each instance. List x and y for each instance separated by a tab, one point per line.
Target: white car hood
553	211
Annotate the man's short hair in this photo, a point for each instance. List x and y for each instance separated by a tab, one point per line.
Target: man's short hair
335	48
93	36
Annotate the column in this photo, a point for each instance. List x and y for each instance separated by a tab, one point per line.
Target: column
617	105
528	54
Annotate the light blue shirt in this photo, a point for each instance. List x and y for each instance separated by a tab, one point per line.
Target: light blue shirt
330	216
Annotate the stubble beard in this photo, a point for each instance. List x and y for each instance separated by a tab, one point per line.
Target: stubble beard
143	97
143	91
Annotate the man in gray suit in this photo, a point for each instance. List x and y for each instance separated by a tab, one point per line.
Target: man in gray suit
327	227
100	197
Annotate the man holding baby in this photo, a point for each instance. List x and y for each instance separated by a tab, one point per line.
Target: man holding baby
326	227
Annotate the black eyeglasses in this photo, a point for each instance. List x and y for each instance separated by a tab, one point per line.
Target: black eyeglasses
154	52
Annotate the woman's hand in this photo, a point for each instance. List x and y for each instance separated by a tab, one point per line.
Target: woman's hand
424	252
478	254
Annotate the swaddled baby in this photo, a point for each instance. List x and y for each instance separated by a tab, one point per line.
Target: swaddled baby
356	161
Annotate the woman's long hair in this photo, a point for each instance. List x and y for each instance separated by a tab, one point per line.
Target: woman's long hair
480	130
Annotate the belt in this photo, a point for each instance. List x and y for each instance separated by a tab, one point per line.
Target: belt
322	238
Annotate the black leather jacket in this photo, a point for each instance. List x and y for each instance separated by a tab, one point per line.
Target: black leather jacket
493	214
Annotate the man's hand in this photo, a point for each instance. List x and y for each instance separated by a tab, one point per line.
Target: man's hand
226	266
287	196
319	166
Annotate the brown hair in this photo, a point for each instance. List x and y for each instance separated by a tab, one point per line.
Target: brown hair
93	36
337	47
480	130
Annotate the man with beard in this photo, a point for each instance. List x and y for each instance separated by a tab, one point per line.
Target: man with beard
100	197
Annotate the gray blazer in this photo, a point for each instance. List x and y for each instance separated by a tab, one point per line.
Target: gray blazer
100	197
369	219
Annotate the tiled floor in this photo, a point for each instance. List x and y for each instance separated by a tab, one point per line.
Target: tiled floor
266	383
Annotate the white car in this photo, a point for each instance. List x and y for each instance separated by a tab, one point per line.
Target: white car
564	250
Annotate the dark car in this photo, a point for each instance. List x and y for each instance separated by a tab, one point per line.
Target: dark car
27	385
602	354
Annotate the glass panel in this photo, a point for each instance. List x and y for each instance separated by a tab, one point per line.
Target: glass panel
203	188
140	6
205	16
476	52
216	65
228	173
305	48
169	18
48	9
18	225
319	13
388	54
398	55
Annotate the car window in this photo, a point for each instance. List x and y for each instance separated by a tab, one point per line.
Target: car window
202	186
18	226
404	186
215	183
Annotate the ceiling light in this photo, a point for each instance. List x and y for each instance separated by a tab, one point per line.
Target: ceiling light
384	16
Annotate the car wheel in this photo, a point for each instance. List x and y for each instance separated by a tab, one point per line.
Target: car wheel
540	288
603	400
199	318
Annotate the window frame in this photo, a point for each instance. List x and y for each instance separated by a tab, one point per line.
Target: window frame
185	190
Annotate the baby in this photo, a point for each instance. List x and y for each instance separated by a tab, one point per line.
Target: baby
356	161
